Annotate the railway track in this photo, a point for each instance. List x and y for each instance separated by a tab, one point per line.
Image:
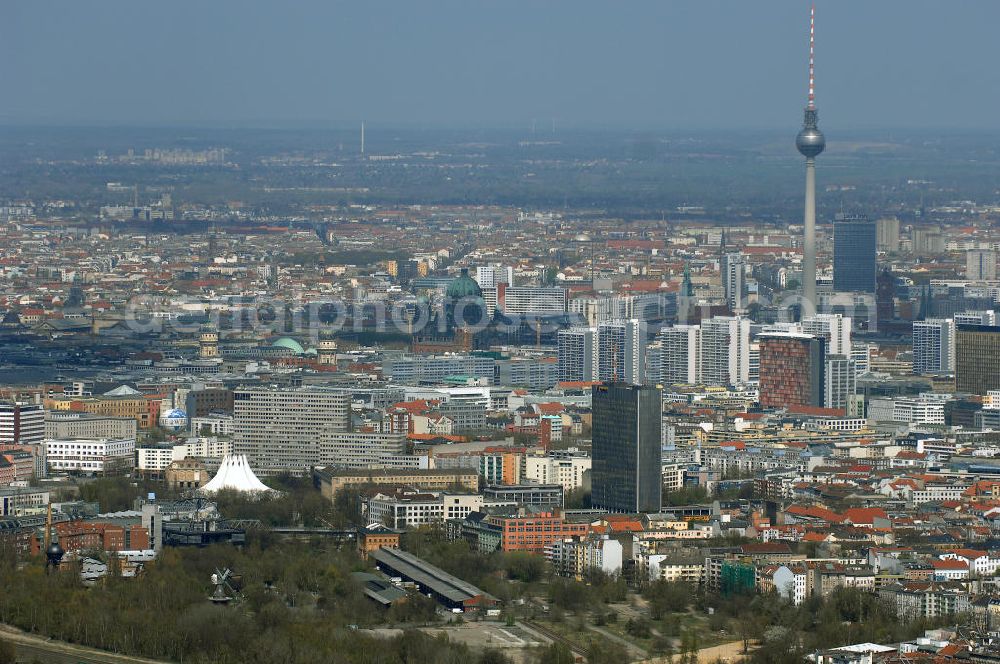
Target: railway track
555	636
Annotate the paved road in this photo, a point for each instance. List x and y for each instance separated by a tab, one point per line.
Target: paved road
32	646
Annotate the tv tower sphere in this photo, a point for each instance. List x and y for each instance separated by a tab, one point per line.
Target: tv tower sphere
810	141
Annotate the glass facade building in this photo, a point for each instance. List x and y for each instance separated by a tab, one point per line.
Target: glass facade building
977	359
625	472
854	254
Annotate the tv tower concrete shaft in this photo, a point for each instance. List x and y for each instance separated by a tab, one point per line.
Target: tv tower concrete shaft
809	241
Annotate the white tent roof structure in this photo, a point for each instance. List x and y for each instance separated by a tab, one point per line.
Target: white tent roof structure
235	474
122	391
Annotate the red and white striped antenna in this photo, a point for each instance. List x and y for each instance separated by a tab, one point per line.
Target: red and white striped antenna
812	54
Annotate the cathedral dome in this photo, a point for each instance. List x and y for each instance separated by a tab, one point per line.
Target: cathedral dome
464	286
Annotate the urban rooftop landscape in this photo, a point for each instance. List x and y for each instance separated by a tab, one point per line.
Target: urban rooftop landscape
495	355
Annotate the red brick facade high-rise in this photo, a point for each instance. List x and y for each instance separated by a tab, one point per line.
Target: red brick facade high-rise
791	370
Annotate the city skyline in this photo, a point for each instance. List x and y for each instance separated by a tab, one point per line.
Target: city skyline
479	368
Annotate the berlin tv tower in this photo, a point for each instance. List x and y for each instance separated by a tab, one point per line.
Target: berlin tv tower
810	142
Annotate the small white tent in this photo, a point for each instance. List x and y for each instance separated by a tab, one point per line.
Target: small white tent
235	474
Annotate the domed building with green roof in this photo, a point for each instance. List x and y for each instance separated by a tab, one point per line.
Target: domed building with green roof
464	313
290	344
463	286
464	304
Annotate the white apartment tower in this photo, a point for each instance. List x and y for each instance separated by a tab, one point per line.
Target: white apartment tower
733	268
980	265
621	351
887	234
834	328
862	356
680	354
840	380
488	276
986	317
933	346
725	350
513	300
21	423
577	353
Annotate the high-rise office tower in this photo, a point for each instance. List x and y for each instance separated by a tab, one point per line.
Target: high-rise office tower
279	429
725	350
885	296
680	354
792	370
834	328
22	427
887	234
518	300
810	143
977	359
488	276
577	353
861	354
933	346
654	363
621	351
980	264
732	267
854	254
985	317
626	465
596	310
753	373
21	423
840	383
927	240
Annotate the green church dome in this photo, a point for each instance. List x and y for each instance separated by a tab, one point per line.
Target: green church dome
290	344
464	286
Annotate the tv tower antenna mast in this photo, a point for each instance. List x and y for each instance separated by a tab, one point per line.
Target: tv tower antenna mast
810	143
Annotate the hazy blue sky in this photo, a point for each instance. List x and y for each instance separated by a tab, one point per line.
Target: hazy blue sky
633	64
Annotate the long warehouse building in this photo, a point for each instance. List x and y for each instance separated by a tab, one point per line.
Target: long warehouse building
446	588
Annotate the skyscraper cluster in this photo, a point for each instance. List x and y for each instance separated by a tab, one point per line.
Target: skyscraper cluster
610	352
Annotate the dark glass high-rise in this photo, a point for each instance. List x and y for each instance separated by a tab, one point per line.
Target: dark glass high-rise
854	254
626	473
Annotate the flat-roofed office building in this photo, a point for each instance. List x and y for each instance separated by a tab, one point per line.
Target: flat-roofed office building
977	358
279	429
62	424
